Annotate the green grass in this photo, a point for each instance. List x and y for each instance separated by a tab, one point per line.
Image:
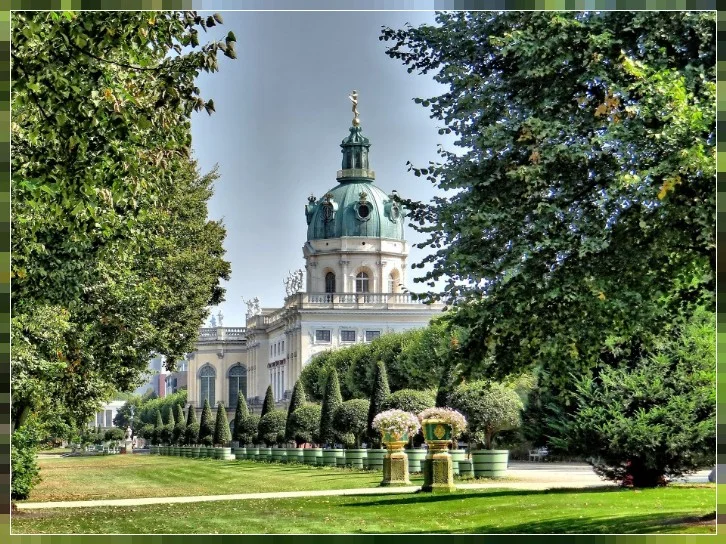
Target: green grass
127	476
674	509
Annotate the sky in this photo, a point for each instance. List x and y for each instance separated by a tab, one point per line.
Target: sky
282	109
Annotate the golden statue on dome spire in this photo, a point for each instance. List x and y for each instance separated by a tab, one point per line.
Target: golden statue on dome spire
354	98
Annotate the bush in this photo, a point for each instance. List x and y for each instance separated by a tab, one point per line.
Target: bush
240	413
191	433
114	434
222	436
271	428
304	425
268	405
180	426
410	400
331	401
378	397
297	400
167	433
489	408
147	432
351	421
248	430
24	467
158	429
206	430
657	419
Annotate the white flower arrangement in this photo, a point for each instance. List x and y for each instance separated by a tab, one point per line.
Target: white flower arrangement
396	423
450	416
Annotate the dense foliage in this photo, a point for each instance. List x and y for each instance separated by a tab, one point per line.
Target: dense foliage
180	427
380	392
659	418
191	432
268	405
489	407
304	425
297	400
222	435
578	219
248	430
23	464
331	400
206	428
113	257
410	400
240	413
351	421
271	428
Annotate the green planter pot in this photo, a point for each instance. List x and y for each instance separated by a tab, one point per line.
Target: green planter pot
295	455
195	452
436	430
394	442
240	453
278	455
153	450
456	457
207	452
375	458
225	454
466	468
490	463
340	462
174	451
415	458
355	457
311	456
330	456
264	454
253	452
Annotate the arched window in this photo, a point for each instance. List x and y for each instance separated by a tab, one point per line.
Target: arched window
393	282
361	283
207	376
330	282
237	384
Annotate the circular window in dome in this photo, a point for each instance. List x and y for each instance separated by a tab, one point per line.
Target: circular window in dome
363	211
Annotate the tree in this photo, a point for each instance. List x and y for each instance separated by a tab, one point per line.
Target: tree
114	434
446	386
269	403
240	413
410	400
297	400
158	429
489	407
206	431
584	186
331	401
272	427
180	427
638	425
122	419
222	436
304	424
191	433
378	397
249	430
350	421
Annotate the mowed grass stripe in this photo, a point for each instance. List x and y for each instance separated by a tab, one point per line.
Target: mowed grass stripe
666	510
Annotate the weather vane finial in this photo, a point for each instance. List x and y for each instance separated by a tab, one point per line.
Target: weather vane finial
354	98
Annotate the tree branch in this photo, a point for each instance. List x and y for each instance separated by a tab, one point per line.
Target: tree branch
121	64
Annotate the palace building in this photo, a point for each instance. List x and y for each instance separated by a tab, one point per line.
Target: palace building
355	268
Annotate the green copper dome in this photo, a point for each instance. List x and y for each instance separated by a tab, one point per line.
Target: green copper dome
355	207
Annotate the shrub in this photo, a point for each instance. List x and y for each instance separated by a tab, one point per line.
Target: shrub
296	401
331	400
268	405
191	433
114	434
158	429
271	428
206	430
222	436
248	430
410	400
24	467
240	413
489	407
396	422
304	424
147	432
378	396
350	422
654	420
180	426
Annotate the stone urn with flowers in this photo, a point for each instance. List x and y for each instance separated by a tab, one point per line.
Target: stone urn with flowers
440	427
395	426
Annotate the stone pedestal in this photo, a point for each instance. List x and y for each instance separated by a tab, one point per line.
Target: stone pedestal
128	445
438	469
395	468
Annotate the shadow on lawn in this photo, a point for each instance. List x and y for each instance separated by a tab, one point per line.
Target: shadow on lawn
673	522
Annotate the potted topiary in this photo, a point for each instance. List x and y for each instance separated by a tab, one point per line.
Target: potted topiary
490	408
272	432
350	422
455	424
304	426
412	400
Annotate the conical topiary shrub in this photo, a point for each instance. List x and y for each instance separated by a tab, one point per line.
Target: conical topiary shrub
296	401
240	414
158	428
269	403
206	431
180	426
380	392
331	400
192	431
222	436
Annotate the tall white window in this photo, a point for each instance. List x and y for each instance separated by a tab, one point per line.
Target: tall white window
207	376
237	384
361	283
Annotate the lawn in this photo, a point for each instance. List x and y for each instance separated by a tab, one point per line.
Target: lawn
128	476
673	509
